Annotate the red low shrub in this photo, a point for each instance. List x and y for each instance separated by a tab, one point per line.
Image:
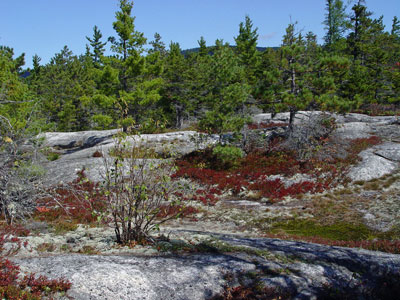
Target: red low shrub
176	210
30	286
81	200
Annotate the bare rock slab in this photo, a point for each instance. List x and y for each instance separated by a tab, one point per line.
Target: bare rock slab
302	268
147	278
376	162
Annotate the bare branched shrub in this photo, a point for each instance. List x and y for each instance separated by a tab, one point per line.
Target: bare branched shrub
19	174
137	189
305	138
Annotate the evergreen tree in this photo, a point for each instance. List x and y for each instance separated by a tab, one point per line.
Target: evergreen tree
370	47
360	22
16	100
17	62
227	92
203	51
36	63
158	45
97	45
177	89
156	56
335	23
137	91
395	31
246	47
269	85
297	94
62	85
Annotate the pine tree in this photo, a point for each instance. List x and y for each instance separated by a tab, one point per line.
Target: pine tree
36	63
335	23
158	45
63	84
360	21
139	90
203	51
246	47
370	47
16	100
226	92
269	85
97	45
177	89
395	31
296	95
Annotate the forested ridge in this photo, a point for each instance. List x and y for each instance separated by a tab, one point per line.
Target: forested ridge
157	86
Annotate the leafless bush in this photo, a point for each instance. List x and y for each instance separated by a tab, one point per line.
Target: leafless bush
19	175
305	138
137	190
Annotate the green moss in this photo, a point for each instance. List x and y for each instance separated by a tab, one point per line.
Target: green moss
390	180
89	250
64	226
339	231
359	182
372	186
52	156
46	247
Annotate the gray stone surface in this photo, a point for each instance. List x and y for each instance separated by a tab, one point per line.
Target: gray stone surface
129	277
376	162
77	149
353	130
82	139
340	118
372	166
389	151
284	117
302	268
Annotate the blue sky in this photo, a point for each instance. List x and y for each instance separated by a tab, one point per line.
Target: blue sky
43	27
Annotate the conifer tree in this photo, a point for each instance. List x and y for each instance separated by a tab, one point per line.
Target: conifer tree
227	92
97	45
156	56
246	47
158	45
137	91
36	63
62	86
177	89
395	31
296	96
202	46
16	100
269	85
335	23
369	45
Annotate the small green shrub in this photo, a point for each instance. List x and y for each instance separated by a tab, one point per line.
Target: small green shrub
46	247
52	156
89	250
62	226
229	155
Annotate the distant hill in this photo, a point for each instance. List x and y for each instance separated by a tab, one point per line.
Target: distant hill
195	50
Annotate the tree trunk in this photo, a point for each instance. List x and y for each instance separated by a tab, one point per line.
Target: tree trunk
292	114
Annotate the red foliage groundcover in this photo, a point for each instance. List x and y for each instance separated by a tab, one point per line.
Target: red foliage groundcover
255	169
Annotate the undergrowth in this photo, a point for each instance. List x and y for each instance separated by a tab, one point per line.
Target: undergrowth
13	286
254	171
79	202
